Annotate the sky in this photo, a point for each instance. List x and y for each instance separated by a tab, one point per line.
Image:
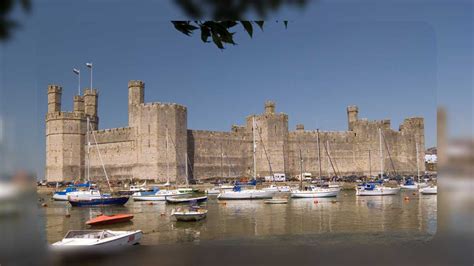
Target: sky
393	59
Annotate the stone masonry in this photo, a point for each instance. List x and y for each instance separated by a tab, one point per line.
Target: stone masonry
142	151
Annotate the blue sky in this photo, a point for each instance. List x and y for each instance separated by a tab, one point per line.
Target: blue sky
394	59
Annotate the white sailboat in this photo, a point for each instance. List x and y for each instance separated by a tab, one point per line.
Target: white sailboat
431	190
238	193
373	189
410	184
314	191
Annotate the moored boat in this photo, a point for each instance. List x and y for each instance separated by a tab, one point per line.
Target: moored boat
110	219
185	199
160	195
372	189
189	214
432	190
103	200
239	194
276	201
315	192
106	238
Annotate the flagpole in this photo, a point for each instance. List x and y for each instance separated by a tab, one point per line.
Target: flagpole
79	84
90	66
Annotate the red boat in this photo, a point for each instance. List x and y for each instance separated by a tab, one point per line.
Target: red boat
110	219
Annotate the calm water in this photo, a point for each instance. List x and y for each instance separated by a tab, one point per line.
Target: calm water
389	216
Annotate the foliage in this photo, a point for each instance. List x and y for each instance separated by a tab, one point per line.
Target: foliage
6	23
221	32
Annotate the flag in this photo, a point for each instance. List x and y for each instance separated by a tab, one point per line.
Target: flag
89	65
76	71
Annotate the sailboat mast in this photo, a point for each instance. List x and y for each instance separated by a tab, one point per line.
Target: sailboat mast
167	161
301	171
186	169
254	150
88	151
319	156
370	165
381	153
417	163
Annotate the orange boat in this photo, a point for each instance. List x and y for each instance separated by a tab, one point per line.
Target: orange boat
110	219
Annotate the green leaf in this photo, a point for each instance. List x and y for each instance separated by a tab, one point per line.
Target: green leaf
184	26
260	23
248	27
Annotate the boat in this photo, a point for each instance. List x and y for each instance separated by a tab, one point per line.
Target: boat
136	189
431	190
315	192
181	199
377	188
104	238
275	188
218	189
110	219
160	195
237	193
411	184
103	200
63	194
94	197
374	189
189	214
276	201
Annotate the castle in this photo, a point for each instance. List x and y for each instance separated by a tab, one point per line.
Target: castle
157	141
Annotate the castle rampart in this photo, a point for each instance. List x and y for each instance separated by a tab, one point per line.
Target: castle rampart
156	143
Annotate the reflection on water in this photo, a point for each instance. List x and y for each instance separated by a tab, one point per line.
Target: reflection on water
347	214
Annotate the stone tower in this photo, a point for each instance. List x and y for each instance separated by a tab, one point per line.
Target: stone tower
65	134
352	116
271	139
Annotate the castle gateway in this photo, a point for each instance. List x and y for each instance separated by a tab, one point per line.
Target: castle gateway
142	151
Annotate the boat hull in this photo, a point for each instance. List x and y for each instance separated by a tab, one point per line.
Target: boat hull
60	197
429	190
315	194
99	201
189	217
245	195
110	219
176	200
125	238
378	191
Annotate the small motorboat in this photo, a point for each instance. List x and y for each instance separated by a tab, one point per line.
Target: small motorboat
181	199
103	200
104	238
433	190
110	219
276	201
189	214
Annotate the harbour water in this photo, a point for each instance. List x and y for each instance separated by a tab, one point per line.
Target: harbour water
301	221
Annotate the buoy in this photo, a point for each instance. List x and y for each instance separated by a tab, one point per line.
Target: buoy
162	214
150	203
334	201
315	201
407	198
44	205
67	215
414	194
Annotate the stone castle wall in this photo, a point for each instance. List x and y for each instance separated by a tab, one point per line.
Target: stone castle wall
157	141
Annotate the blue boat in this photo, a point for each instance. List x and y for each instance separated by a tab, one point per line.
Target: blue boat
99	201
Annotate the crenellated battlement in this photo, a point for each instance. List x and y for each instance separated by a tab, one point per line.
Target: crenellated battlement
157	142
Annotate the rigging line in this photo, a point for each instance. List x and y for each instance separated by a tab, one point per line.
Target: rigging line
175	148
265	150
389	155
330	160
101	161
